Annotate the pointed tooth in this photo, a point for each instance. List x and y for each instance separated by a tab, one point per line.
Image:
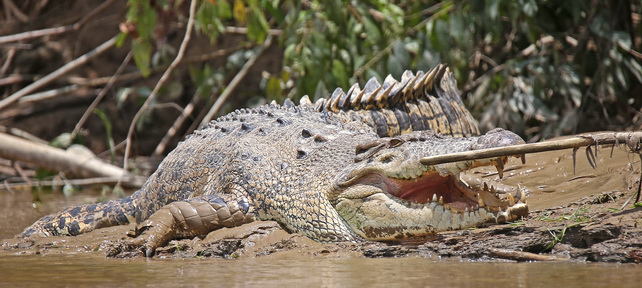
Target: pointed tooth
523	157
499	164
441	200
511	200
520	194
480	201
492	189
434	197
485	186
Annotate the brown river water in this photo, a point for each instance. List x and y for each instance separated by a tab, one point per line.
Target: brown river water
548	178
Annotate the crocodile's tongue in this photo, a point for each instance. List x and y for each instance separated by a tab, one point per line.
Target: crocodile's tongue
428	188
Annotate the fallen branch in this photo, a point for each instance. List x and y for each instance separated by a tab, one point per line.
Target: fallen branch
66	161
632	139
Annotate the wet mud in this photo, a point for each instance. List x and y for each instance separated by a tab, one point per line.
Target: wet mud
582	215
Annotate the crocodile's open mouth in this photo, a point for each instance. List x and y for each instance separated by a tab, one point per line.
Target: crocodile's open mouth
419	188
451	192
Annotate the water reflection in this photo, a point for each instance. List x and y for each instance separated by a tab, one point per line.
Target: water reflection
94	270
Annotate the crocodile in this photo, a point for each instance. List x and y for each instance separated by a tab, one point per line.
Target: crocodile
321	170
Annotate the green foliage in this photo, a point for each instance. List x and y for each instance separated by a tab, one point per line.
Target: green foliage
539	68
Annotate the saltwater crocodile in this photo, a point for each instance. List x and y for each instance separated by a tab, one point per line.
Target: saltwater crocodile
319	170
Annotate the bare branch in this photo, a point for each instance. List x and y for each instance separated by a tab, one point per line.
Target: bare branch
235	81
17	149
632	139
53	31
61	71
162	80
100	96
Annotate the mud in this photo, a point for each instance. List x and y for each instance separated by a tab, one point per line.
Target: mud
583	216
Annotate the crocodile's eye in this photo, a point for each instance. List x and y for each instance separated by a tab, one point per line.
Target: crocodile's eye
394	142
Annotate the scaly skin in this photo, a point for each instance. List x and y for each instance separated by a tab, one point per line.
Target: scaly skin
314	172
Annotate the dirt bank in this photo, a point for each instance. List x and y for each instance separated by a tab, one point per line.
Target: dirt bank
578	216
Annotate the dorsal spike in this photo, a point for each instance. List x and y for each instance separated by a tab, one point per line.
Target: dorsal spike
389	81
408	88
381	98
320	104
288	103
429	80
440	75
406	76
305	101
353	94
371	85
420	83
355	100
333	102
344	100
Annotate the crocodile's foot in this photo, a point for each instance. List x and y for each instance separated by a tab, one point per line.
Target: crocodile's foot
183	219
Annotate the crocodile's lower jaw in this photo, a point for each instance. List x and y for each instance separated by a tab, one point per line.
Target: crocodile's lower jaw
382	218
408	208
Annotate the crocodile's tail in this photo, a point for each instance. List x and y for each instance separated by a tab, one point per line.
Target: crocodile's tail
425	101
83	218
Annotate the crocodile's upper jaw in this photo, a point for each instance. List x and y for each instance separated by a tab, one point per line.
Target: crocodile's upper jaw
389	198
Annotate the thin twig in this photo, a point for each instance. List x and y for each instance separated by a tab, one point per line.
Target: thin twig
57	30
100	96
49	94
235	81
243	30
7	63
189	109
162	80
61	71
9	5
137	74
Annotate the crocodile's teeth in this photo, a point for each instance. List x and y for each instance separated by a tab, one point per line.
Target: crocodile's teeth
480	201
434	197
499	164
485	186
441	200
520	194
523	157
511	200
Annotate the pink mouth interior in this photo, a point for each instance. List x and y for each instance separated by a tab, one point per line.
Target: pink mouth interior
422	190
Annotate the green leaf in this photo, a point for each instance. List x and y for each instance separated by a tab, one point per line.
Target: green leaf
142	52
273	89
340	73
257	26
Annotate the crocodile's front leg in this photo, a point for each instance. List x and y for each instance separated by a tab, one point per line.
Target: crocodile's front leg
193	217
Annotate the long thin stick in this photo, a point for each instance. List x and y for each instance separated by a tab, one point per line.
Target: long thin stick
56	30
632	139
61	71
235	81
162	80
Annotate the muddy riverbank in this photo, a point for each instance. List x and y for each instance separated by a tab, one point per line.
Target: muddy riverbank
583	216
